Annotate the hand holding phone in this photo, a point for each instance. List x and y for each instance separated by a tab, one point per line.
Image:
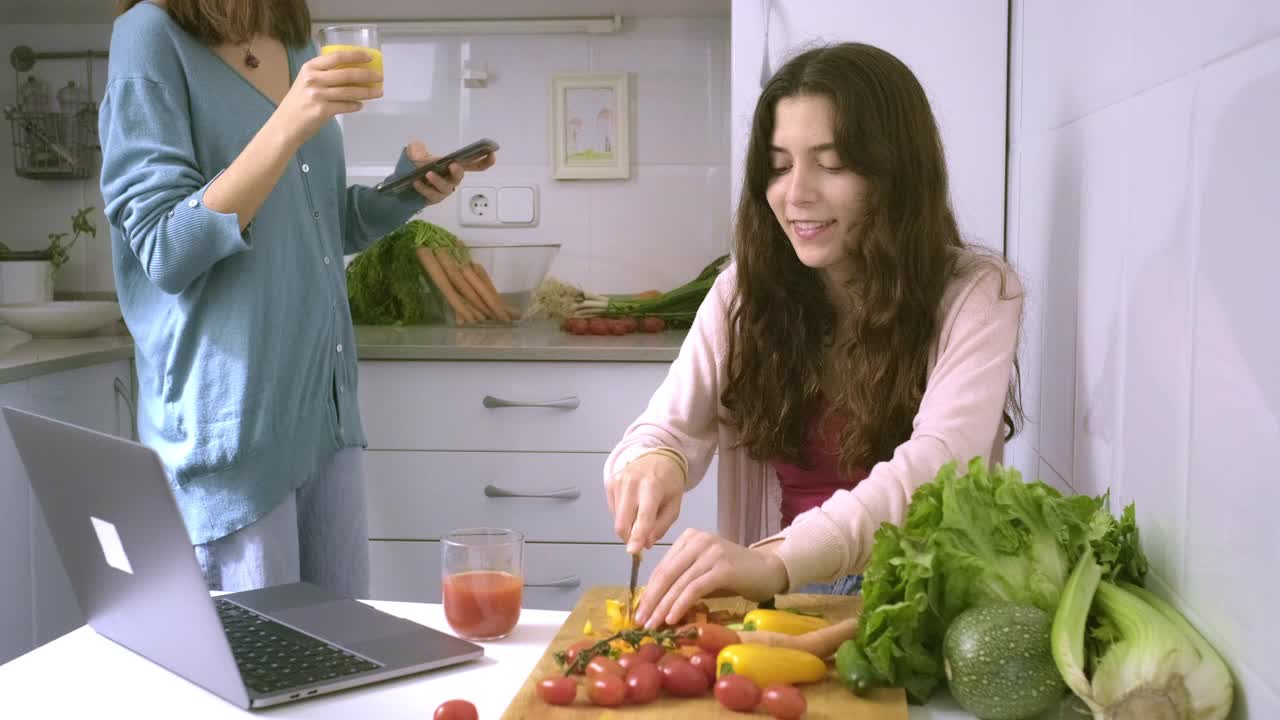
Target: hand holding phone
439	166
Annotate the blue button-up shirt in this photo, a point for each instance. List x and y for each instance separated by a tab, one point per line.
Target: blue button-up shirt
245	350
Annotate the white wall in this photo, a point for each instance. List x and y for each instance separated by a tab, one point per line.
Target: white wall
958	51
1143	215
656	229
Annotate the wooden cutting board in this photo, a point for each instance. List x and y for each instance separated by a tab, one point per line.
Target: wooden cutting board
826	700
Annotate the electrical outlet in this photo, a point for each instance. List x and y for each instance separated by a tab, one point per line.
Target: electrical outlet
478	205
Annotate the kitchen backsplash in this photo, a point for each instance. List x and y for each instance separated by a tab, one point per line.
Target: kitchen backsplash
655	229
1144	172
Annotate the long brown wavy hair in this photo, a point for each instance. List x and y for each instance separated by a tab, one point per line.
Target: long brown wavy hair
216	22
907	250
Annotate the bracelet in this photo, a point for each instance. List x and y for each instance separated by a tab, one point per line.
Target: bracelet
675	455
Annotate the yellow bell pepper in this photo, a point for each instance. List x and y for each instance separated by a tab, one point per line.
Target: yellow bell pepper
617	614
766	665
781	621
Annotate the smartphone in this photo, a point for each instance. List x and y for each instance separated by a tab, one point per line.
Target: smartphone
440	165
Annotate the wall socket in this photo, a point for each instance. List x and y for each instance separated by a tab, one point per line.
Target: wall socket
507	206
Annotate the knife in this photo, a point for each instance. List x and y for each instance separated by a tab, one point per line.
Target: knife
631	589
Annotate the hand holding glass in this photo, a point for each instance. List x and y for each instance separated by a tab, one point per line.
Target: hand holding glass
364	38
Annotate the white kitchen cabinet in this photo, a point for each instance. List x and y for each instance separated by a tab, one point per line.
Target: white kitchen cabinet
16	635
550	497
36	600
517	444
503	406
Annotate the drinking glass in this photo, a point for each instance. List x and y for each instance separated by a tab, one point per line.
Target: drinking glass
336	38
483	581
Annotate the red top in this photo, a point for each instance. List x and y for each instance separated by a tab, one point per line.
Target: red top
805	488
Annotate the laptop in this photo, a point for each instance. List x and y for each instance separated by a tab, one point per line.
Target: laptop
126	550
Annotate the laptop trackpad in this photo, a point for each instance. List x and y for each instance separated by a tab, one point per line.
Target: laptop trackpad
345	622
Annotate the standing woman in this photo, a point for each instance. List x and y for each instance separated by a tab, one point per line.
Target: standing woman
855	346
226	193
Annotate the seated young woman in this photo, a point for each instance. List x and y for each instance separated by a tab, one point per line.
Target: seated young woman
856	344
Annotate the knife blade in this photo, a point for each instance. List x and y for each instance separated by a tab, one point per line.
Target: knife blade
631	588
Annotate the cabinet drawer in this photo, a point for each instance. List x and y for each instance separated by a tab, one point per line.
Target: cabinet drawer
422	495
410	571
533	406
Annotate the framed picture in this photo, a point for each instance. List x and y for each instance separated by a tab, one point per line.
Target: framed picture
590	137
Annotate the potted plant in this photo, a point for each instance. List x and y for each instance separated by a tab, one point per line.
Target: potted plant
27	275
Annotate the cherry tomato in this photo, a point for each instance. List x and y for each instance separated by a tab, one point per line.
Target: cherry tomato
784	702
571	653
652	324
737	693
607	690
604	665
713	638
644	683
598	326
669	658
578	326
652	652
456	710
618	326
626	661
706	662
683	680
630	325
558	690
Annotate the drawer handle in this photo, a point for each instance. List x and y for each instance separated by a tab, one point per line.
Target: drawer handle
569	493
564	403
568	581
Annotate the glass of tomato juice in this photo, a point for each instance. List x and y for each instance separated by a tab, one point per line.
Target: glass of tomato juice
483	580
336	38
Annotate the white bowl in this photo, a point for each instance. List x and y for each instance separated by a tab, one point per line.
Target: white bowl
60	318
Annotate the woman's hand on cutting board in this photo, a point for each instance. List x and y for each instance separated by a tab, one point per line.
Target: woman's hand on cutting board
702	564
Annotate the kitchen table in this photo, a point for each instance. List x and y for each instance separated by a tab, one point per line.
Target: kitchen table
82	674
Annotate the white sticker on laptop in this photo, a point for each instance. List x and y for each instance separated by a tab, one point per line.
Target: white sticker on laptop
112	548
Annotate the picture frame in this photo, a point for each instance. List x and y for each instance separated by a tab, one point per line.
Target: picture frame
590	126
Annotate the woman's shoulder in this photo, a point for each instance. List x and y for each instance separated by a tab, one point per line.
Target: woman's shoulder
980	278
145	41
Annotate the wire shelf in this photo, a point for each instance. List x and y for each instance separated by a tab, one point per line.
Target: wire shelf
54	145
50	145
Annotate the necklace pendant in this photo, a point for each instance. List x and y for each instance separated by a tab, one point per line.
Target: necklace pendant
251	60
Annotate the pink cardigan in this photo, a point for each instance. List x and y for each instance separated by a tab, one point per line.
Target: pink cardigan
970	364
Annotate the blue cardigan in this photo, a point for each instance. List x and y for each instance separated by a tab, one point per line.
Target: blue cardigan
245	350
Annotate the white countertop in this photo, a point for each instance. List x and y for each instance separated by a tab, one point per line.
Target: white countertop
22	356
82	674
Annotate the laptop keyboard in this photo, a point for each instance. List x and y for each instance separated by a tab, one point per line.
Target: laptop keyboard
273	657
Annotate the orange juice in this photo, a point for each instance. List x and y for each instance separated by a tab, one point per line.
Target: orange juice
375	64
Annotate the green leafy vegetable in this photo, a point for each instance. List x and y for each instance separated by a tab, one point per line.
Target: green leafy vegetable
973	539
385	283
676	307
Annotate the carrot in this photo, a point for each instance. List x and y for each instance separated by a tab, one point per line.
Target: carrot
454	271
441	280
476	274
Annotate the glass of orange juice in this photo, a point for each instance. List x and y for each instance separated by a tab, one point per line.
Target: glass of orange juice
336	38
483	581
